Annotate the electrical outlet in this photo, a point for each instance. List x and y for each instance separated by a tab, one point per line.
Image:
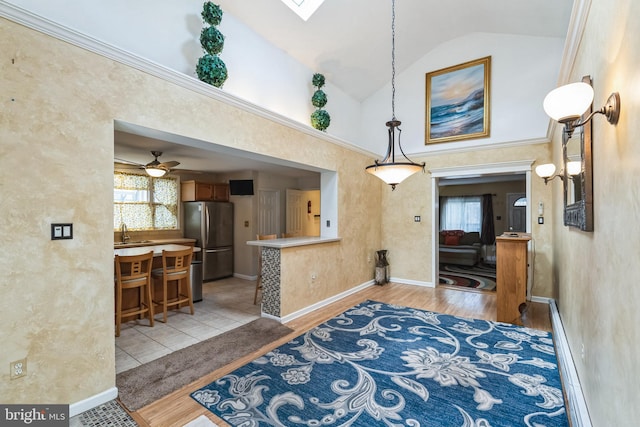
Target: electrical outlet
18	368
314	276
582	351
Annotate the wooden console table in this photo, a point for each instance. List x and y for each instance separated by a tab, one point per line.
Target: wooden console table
511	276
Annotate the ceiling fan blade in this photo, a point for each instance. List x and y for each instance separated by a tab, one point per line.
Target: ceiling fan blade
126	162
169	165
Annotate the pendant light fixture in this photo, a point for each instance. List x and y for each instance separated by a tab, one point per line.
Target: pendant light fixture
388	170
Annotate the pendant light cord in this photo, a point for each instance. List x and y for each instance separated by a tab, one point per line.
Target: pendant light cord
393	59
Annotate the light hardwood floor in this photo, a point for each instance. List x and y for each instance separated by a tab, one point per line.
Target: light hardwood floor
178	408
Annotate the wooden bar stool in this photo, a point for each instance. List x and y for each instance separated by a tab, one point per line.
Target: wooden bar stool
134	272
259	279
176	269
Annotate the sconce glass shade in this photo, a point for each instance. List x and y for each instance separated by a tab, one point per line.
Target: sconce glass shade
569	102
574	168
155	172
545	171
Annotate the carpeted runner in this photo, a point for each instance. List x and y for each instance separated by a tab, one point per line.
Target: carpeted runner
144	384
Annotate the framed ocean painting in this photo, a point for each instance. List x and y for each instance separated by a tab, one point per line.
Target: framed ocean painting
457	101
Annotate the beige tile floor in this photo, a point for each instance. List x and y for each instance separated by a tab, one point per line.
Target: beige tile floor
227	304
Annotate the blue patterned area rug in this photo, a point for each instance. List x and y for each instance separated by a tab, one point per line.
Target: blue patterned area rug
385	365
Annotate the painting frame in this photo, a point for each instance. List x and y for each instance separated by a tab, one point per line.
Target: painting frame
458	103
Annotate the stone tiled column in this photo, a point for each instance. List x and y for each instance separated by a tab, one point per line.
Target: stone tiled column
270	281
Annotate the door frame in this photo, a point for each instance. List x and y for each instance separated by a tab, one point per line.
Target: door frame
506	168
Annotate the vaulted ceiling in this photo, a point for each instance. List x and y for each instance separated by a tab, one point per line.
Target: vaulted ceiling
349	41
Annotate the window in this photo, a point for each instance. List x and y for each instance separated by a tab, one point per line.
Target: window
145	203
461	213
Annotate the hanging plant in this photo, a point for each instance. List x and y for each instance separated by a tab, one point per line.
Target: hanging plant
211	13
210	68
319	99
320	119
212	40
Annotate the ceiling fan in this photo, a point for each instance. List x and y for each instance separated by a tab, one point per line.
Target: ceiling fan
154	168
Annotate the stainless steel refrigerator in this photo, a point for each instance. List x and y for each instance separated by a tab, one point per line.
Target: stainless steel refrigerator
211	224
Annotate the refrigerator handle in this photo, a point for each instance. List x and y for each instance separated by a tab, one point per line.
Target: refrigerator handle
206	217
217	250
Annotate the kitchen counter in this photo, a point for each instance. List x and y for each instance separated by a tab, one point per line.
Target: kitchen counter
290	242
141	243
157	249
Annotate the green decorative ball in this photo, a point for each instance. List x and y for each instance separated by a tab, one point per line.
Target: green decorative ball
320	119
212	40
319	99
211	69
211	13
318	80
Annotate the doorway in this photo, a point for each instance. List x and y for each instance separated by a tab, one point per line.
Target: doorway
467	174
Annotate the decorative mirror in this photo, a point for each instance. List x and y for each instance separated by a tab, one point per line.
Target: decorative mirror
577	177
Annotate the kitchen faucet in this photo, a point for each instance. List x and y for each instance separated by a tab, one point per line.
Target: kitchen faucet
124	233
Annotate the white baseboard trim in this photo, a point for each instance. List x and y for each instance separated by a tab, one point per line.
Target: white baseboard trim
245	277
322	303
543	300
93	401
577	410
412	282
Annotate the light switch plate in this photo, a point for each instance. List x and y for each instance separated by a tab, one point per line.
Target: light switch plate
61	231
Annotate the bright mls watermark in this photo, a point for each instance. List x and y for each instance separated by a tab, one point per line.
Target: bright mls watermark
34	415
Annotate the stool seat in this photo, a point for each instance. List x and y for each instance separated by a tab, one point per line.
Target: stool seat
176	270
133	272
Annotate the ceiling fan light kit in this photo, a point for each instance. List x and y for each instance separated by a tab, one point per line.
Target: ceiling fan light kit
155	168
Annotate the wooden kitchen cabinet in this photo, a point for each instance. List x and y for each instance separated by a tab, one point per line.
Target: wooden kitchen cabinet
220	192
511	276
191	191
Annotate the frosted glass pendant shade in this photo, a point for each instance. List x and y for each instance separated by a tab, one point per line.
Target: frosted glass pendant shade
394	173
545	171
567	103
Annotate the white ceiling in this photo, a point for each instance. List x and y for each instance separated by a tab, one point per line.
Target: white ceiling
349	41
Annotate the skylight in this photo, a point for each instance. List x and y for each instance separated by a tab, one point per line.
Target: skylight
303	8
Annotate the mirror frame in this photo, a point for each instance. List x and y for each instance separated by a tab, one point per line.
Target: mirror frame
580	213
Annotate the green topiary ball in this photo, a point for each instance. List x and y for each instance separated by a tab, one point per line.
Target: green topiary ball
318	80
319	99
320	119
211	13
211	69
212	40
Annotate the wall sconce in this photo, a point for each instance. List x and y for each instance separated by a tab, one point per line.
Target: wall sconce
568	103
547	171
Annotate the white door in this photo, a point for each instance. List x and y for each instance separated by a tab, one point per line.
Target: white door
295	211
269	212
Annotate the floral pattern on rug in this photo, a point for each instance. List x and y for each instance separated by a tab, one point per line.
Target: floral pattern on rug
386	365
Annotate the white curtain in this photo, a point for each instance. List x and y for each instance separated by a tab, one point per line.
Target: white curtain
461	213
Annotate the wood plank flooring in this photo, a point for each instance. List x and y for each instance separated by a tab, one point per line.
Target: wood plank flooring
178	408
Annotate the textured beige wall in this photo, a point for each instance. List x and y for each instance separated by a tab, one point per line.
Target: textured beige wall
598	272
409	243
56	145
